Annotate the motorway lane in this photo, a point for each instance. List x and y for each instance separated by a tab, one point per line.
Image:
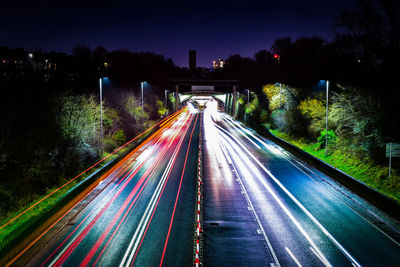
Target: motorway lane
142	214
306	217
230	230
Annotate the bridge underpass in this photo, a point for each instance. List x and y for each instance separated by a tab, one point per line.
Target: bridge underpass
224	91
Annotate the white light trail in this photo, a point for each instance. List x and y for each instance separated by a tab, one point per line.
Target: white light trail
134	243
296	201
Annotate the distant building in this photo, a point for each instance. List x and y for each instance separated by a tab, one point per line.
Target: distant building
192	60
218	64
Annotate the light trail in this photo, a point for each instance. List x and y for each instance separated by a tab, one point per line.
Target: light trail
134	243
162	122
113	170
129	210
177	196
72	245
166	123
153	170
319	225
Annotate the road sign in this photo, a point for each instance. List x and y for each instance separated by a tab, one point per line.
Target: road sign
392	150
202	88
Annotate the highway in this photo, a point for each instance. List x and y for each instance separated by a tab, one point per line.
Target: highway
141	213
264	207
261	207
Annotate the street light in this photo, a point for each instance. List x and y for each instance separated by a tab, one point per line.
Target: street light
248	101
101	114
326	134
141	85
166	98
280	94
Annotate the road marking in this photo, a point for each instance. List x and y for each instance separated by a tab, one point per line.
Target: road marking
97	210
179	190
365	219
304	166
253	210
297	202
293	257
321	258
245	135
131	250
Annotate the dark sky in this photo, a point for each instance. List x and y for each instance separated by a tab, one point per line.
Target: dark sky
216	29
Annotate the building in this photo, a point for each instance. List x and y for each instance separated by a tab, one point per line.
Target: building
218	64
192	60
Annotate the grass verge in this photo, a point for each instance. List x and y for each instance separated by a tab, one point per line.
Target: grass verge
45	204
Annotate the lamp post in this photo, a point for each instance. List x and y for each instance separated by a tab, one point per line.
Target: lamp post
326	133
248	101
166	98
280	95
101	115
141	85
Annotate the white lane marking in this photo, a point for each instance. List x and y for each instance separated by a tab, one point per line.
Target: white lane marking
134	243
297	202
272	193
252	209
365	219
244	134
304	166
321	258
98	208
293	257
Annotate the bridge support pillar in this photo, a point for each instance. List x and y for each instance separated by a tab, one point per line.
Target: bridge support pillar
234	101
177	100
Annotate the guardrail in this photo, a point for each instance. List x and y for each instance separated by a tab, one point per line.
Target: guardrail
17	240
386	204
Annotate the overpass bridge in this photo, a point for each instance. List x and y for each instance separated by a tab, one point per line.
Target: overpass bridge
225	91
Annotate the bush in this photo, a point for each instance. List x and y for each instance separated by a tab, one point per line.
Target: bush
119	137
322	138
295	123
109	145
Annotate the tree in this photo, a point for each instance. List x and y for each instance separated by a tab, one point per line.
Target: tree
161	109
314	109
133	106
372	34
281	46
357	116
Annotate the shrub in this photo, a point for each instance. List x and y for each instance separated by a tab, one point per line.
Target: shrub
295	123
119	137
322	138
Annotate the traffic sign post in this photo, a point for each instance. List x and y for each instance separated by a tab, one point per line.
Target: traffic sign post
392	150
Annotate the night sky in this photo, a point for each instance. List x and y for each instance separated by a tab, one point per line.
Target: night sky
216	29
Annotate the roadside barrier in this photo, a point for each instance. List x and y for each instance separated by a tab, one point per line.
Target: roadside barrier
199	211
20	238
381	201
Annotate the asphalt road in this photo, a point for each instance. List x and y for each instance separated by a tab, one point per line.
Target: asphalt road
265	207
141	214
262	207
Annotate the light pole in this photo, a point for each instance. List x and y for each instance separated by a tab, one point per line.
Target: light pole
326	133
248	101
166	98
141	85
280	95
101	115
